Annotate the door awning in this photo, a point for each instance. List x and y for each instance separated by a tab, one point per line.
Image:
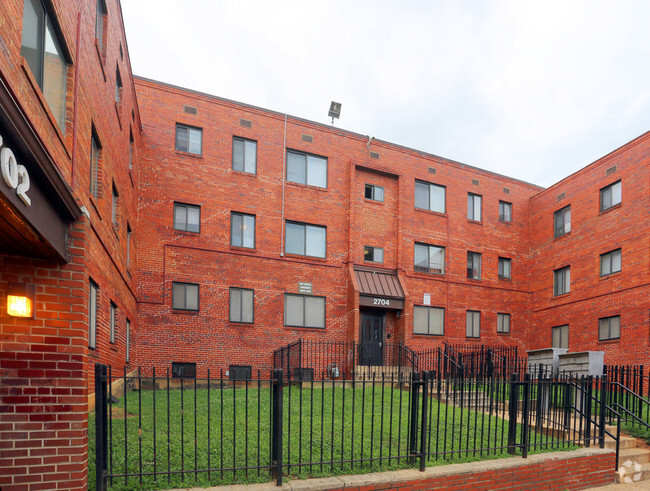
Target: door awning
379	288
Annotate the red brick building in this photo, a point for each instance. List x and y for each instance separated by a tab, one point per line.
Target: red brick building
150	224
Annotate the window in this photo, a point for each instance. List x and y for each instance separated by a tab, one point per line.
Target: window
92	316
610	196
41	48
118	87
504	267
561	281
95	156
474	265
129	237
100	19
130	150
183	370
113	315
474	207
429	259
306	169
244	155
610	262
609	328
375	193
305	240
188	139
505	211
562	219
128	342
304	311
185	296
242	230
373	254
187	217
114	206
240	372
429	196
241	305
560	336
428	320
473	324
503	323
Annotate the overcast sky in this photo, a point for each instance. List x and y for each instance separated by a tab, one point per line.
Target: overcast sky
531	89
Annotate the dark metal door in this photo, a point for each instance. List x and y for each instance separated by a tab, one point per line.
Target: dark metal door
372	339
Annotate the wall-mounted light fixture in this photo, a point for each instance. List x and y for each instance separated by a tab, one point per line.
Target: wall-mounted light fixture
21	300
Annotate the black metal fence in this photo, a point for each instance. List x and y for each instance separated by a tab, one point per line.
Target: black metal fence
163	431
629	393
331	360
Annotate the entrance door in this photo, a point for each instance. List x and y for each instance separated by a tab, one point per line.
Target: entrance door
372	339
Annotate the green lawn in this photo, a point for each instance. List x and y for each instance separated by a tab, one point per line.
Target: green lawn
335	425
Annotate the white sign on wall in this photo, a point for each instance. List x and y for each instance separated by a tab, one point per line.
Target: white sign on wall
14	174
427	299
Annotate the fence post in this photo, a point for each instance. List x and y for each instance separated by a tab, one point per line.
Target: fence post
101	427
423	429
413	437
603	409
587	397
512	413
276	420
525	410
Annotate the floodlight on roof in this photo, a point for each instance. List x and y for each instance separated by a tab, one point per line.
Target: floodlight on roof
335	111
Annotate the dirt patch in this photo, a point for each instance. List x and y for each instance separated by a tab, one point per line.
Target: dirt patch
118	413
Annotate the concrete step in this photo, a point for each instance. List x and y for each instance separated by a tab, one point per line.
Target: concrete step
638	455
626	442
630	472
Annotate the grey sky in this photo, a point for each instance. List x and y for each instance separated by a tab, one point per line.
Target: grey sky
531	89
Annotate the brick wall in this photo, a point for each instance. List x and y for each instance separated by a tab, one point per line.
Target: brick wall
207	258
45	365
594	232
581	469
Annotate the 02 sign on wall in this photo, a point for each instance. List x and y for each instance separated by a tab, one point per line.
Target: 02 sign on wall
14	174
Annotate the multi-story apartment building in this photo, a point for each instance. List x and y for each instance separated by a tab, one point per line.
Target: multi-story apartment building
146	224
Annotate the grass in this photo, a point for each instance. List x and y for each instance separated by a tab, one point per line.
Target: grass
334	426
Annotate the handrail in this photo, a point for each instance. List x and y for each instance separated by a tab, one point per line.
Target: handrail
631	392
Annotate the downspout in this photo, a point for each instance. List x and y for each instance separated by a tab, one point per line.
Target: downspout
74	104
284	169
